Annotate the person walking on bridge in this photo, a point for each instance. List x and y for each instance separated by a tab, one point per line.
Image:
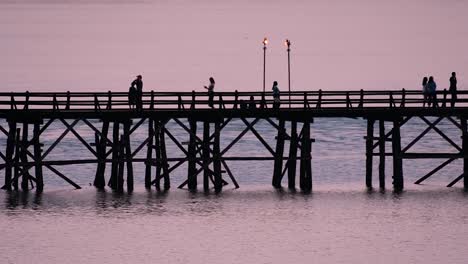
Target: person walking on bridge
210	89
138	83
276	95
453	89
431	87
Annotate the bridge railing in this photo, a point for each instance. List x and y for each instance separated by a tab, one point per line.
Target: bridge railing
318	99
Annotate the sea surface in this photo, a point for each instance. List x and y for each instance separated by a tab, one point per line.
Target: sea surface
60	45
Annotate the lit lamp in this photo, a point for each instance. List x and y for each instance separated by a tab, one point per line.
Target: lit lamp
288	44
265	42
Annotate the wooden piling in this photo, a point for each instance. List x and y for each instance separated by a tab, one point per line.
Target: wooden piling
278	165
157	150
17	158
113	182
128	155
218	184
10	149
24	157
163	155
464	151
149	153
192	166
121	164
306	166
37	158
293	145
99	179
382	140
397	159
206	155
369	151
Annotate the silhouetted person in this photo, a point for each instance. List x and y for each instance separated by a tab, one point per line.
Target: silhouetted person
132	96
243	105
252	104
210	89
425	93
276	95
453	89
138	83
431	88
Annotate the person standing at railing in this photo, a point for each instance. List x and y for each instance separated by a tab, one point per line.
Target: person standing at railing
453	89
138	83
425	93
276	95
252	104
431	87
132	96
210	89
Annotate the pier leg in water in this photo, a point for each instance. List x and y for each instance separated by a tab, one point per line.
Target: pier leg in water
206	155
278	166
17	158
292	160
10	149
218	184
157	148
306	169
115	155
163	154
99	179
24	158
464	128
397	160
37	158
192	165
369	151
128	156
121	157
149	154
382	141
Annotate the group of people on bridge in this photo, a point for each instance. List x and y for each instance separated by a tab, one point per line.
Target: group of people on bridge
429	88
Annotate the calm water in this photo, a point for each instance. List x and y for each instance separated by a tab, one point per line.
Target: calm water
100	45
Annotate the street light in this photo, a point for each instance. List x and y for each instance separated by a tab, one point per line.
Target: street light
265	42
288	44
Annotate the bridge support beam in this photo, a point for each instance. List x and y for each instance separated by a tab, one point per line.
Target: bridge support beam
10	149
162	170
206	155
24	157
128	155
192	165
293	145
37	158
382	140
113	181
369	151
306	158
149	154
101	150
464	128
278	165
397	158
218	182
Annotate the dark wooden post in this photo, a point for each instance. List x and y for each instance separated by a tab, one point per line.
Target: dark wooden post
121	163
128	156
10	149
17	158
278	166
369	151
465	151
37	158
206	155
382	140
192	167
115	155
218	183
397	160
99	179
306	169
157	148
24	157
292	156
149	153
163	154
67	107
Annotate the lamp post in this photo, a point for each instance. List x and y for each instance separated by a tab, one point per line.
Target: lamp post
265	42
288	44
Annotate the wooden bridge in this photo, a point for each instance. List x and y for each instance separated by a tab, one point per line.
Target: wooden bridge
28	115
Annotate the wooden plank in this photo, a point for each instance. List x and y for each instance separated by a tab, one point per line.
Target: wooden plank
369	150
382	154
432	172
